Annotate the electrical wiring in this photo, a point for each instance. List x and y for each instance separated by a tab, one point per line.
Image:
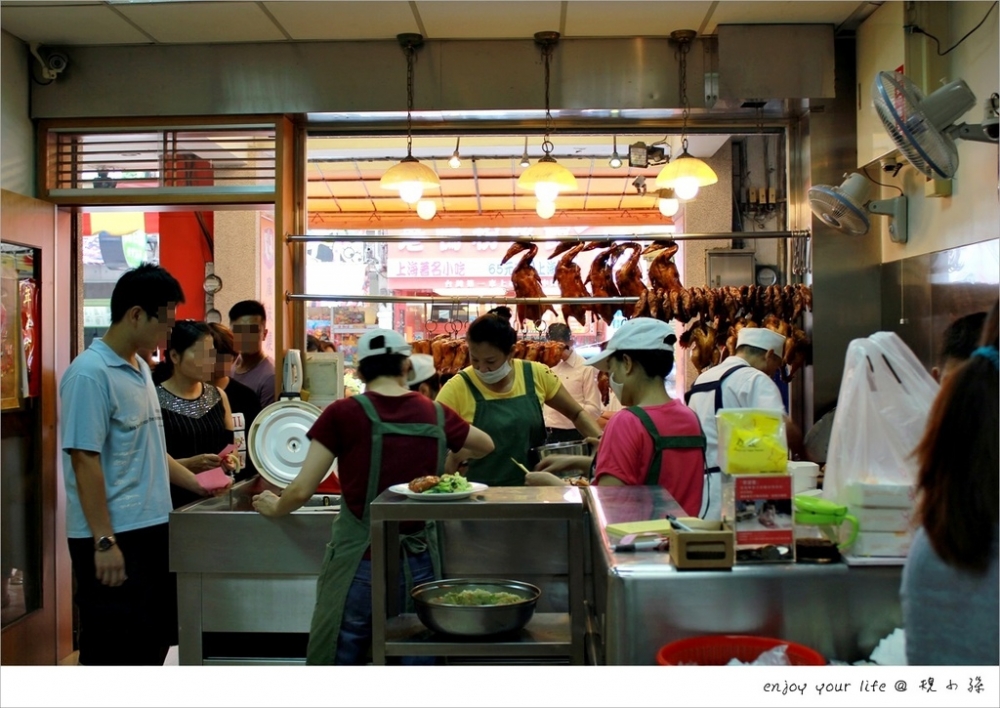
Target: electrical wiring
864	170
918	30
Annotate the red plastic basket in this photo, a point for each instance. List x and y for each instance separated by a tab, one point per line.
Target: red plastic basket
718	650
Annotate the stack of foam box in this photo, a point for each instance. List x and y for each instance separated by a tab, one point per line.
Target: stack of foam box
884	512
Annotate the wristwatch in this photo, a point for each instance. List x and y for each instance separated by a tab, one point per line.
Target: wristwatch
104	543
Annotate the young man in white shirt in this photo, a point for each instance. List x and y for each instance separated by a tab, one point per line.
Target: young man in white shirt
577	378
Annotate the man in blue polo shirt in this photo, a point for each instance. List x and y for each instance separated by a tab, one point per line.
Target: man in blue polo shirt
118	477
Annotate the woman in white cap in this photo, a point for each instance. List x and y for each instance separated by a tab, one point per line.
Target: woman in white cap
423	377
744	380
387	435
654	440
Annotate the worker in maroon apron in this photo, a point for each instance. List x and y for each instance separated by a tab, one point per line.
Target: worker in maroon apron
385	436
655	440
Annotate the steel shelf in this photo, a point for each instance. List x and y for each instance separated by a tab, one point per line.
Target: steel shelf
510	238
547	634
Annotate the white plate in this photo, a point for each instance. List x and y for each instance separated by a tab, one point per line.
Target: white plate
404	489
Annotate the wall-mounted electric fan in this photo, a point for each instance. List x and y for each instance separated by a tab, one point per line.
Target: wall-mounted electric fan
846	208
923	127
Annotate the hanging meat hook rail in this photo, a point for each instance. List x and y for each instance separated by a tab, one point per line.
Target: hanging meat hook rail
508	238
472	300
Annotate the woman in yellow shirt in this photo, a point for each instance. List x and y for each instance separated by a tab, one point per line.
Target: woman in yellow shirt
504	398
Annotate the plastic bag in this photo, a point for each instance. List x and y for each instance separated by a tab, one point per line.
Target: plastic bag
772	657
882	408
752	441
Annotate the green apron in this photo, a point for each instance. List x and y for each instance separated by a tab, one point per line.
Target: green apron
352	536
664	442
516	426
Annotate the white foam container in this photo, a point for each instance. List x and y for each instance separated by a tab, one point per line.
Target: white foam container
881	543
886	520
804	475
883	495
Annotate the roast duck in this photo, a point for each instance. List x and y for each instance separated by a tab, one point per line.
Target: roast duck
713	317
451	354
527	283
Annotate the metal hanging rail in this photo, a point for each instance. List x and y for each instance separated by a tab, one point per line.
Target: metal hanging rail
509	238
472	300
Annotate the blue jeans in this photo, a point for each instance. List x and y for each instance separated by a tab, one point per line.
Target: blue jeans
355	638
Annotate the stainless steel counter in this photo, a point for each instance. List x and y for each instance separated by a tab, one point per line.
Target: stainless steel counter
643	602
246	584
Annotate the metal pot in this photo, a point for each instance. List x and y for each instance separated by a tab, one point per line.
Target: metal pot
474	620
563	448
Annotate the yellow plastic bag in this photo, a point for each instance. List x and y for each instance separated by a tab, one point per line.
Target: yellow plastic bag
752	441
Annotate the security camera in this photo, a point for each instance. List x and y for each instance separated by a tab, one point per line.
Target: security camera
53	63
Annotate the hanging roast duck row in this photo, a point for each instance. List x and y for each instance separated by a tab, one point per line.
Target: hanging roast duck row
714	316
451	355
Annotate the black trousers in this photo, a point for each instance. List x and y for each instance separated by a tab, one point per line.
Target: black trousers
135	623
558	435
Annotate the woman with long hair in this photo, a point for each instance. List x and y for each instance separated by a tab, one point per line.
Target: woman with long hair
197	421
950	583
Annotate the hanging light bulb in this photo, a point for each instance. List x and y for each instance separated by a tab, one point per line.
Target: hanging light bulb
456	160
685	174
545	209
426	209
546	178
409	176
615	162
667	202
525	162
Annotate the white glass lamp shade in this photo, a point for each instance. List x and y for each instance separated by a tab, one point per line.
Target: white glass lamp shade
545	209
410	178
685	175
426	209
547	179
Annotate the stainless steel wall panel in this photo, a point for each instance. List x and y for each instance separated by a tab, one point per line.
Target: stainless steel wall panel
352	77
776	61
250	603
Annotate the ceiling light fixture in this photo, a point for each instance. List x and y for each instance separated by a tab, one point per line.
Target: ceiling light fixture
547	178
426	209
525	162
615	162
685	174
456	160
667	202
409	176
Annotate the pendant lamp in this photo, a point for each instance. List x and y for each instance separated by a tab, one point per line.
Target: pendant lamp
547	178
409	176
685	174
667	202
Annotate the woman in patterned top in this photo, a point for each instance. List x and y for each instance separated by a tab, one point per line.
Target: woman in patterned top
197	421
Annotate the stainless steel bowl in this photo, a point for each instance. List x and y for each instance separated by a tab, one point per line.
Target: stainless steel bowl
474	620
563	448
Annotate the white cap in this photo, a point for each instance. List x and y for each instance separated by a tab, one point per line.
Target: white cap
762	338
421	368
375	342
638	334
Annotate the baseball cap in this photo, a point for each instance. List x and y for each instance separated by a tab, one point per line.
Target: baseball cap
421	368
376	342
762	338
638	334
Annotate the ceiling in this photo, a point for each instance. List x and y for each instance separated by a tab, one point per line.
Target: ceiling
343	173
97	22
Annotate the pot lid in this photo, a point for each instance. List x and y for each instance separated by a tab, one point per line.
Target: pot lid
277	441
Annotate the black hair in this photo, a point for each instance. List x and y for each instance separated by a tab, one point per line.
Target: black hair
150	287
558	332
372	367
312	343
247	307
657	363
183	335
433	381
962	336
493	328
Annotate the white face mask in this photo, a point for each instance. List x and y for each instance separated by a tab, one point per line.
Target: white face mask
618	388
495	376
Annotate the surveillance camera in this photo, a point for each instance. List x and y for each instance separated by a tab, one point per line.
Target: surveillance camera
58	62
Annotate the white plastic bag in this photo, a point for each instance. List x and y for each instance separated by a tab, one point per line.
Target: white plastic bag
885	397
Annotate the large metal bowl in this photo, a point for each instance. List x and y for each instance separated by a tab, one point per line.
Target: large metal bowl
474	620
563	448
